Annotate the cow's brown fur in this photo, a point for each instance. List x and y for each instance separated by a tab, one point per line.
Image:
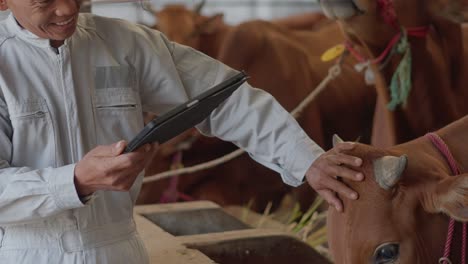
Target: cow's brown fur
208	33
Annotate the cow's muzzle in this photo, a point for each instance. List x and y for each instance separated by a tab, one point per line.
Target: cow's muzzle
341	9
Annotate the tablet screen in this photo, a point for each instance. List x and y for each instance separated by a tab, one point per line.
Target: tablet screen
186	115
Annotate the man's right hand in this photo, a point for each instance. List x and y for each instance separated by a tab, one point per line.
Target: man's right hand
322	174
106	168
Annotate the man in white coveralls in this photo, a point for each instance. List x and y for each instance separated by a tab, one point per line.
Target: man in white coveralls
72	91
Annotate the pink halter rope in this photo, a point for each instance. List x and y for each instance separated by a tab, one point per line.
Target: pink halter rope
444	150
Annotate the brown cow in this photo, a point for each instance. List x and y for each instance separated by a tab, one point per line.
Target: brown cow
402	213
438	74
207	33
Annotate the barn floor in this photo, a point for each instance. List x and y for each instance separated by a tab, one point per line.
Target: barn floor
203	232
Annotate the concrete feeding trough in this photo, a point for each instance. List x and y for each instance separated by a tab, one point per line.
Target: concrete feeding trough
204	233
253	247
181	219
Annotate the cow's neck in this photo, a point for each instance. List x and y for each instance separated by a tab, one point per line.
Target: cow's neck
211	43
455	136
434	232
454	36
437	91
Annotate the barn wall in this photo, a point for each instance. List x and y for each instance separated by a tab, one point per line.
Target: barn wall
235	10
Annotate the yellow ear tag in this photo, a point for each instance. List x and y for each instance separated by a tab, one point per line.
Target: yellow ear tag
333	53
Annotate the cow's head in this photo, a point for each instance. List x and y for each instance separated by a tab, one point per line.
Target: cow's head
374	22
184	25
400	216
373	29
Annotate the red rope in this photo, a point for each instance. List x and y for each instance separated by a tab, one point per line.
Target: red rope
464	237
387	12
418	32
382	56
443	148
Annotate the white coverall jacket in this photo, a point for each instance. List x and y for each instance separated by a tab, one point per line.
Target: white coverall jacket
57	105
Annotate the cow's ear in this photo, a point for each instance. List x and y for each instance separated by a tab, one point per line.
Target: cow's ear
210	25
450	196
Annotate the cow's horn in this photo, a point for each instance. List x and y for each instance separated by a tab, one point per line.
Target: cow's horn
198	8
336	140
388	170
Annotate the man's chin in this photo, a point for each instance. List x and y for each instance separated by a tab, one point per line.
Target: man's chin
58	39
61	36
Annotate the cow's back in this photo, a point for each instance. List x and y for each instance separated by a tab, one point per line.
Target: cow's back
287	64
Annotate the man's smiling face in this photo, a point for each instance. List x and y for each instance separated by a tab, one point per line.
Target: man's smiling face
48	19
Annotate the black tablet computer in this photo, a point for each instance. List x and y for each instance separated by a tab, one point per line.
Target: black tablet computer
186	115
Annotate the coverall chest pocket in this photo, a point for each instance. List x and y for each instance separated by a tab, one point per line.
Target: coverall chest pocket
117	105
33	134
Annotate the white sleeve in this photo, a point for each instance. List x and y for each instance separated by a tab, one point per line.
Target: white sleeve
26	194
253	120
250	118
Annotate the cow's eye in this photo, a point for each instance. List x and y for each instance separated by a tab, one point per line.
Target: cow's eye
387	253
